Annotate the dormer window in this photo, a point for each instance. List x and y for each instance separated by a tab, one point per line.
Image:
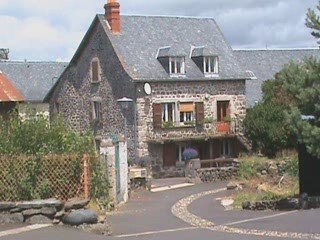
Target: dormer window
210	65
251	75
177	65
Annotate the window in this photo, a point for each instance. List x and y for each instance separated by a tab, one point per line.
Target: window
226	148
223	110
186	112
95	71
177	65
210	65
97	113
168	112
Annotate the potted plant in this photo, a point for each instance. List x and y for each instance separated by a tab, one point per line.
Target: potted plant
224	126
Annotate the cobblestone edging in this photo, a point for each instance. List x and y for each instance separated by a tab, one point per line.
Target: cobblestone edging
180	210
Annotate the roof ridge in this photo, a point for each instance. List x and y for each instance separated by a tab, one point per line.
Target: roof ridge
165	16
276	49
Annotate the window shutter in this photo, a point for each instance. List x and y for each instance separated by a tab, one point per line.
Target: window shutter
91	109
100	114
95	71
157	115
200	113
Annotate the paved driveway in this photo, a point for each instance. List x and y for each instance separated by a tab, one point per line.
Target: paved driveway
148	216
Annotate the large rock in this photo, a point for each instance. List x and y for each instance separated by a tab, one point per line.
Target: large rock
79	217
59	214
31	212
6	206
38	219
232	186
48	211
11	218
76	203
40	203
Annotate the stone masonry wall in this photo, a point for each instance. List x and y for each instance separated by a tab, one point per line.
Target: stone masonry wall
208	92
75	90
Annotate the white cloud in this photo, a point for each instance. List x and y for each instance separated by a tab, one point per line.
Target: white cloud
52	29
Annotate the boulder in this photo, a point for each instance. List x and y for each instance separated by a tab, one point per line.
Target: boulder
76	203
37	204
79	217
59	214
246	205
6	206
15	210
38	219
48	211
232	186
31	212
288	204
11	218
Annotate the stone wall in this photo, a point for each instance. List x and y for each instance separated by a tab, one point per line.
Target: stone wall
40	211
75	91
208	92
217	174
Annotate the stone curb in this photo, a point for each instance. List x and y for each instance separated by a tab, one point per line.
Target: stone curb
180	210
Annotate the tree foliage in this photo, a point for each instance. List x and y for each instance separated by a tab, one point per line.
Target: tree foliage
313	22
34	135
276	122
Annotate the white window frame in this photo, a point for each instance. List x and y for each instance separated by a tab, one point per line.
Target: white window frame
165	112
173	69
192	118
213	70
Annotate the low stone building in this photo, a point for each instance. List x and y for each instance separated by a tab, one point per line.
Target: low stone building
10	96
187	87
34	80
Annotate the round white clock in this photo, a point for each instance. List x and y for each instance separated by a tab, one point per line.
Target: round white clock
147	88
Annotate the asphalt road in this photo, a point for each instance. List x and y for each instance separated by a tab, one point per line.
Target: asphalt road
148	216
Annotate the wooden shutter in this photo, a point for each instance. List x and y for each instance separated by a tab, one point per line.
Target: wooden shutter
95	71
200	113
157	115
91	109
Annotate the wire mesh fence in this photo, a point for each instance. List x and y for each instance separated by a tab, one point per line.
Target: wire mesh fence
34	177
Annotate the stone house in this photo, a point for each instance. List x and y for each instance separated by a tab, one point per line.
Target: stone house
187	87
34	80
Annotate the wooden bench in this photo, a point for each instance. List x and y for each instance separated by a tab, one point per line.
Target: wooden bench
218	162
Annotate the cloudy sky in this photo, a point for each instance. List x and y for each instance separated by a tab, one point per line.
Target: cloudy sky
52	29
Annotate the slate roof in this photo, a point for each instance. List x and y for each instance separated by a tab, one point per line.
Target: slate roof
8	91
142	36
33	79
266	63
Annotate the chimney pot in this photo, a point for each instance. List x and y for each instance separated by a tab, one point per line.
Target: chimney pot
112	15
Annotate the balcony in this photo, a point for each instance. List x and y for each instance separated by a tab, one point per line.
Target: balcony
190	131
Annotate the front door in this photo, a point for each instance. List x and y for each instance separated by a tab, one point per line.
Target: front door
169	155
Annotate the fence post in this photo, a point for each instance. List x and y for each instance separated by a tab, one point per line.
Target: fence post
86	176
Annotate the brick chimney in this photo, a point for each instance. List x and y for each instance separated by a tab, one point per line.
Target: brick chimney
112	15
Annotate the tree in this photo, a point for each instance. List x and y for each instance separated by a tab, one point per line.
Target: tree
313	22
266	127
276	122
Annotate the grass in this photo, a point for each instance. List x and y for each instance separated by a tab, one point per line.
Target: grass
267	187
